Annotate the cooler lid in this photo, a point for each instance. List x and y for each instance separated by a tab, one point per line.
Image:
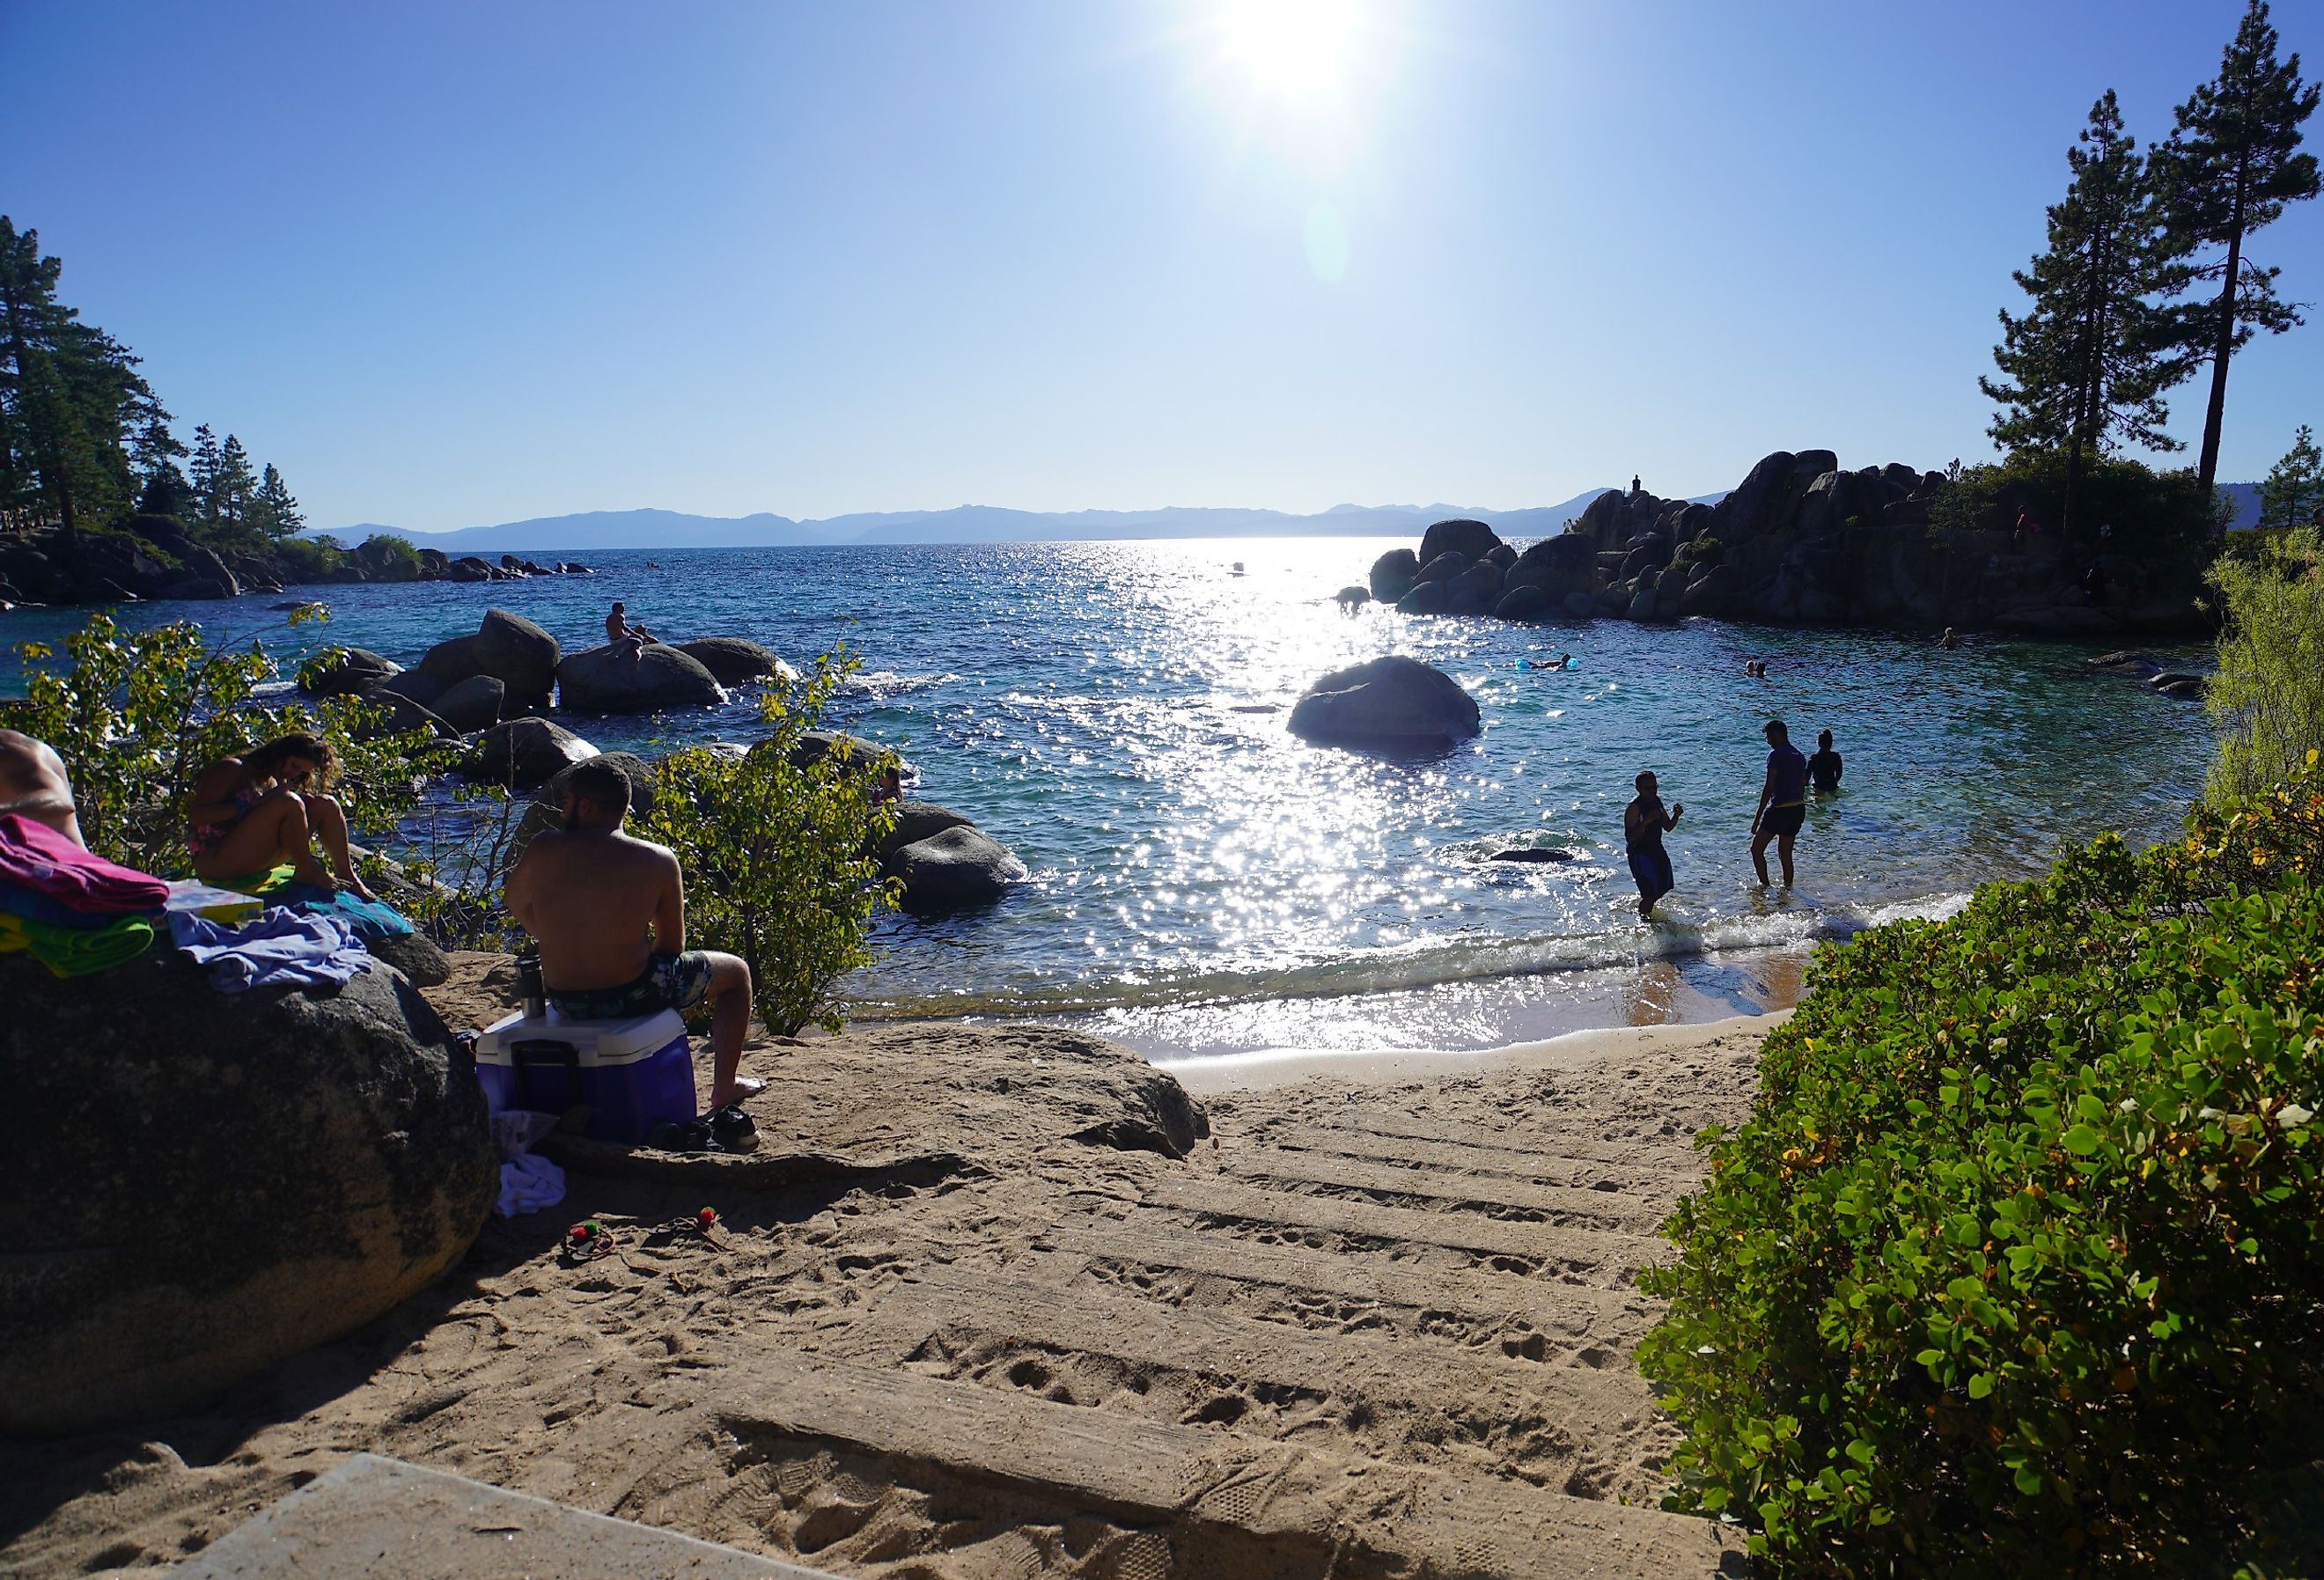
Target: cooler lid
594	1043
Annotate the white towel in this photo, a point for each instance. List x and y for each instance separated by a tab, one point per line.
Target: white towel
527	1184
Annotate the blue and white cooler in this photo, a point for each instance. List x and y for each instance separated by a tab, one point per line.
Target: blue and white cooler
631	1075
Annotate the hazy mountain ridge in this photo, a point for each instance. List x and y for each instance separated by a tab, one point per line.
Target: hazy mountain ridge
969	524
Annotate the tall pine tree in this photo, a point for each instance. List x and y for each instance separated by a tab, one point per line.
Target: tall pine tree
275	511
2230	167
202	470
2293	493
2085	367
235	487
70	396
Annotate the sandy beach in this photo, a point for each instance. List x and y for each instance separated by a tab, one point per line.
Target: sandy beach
971	1314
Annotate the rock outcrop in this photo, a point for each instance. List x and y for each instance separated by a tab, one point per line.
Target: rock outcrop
1393	705
520	655
1800	540
605	679
200	1183
524	753
734	662
954	869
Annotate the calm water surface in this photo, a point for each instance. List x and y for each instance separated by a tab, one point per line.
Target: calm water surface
1205	884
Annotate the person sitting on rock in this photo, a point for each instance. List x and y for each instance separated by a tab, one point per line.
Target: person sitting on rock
33	784
632	640
268	806
591	894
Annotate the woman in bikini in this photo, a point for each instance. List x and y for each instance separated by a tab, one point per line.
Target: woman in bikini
268	806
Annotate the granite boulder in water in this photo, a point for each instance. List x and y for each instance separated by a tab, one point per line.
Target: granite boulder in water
732	661
195	1184
1392	704
607	680
954	869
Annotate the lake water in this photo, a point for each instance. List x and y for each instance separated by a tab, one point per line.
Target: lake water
1204	884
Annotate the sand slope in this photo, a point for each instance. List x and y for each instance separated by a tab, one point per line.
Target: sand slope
971	1317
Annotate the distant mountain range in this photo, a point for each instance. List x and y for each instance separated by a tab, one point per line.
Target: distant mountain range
968	523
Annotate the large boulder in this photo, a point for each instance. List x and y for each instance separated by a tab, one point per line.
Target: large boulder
402	715
450	661
953	868
199	1185
524	753
1427	597
859	754
475	704
732	660
1392	704
1525	602
426	691
918	820
605	679
519	654
1557	566
1472	541
350	671
1393	574
1442	567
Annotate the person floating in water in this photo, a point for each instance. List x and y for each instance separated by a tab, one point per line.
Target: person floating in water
1644	824
1823	767
1783	802
1948	641
1754	668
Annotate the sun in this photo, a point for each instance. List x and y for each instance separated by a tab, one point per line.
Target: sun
1298	48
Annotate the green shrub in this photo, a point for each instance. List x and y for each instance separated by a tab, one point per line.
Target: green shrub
778	857
2148	510
138	715
2268	694
1702	551
308	560
2016	1267
390	557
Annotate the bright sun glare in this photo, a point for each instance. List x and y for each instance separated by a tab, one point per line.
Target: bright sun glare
1300	48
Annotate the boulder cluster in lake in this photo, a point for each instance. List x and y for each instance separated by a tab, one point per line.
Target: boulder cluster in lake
1798	540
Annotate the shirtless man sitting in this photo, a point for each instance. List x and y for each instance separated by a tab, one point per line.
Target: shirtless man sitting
33	784
608	910
632	640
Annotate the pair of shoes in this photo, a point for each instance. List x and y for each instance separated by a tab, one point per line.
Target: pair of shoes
733	1128
694	1136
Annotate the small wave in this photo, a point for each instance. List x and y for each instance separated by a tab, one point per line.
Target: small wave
882	684
271	689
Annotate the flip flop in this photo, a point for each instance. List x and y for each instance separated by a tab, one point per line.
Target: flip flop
694	1136
749	1085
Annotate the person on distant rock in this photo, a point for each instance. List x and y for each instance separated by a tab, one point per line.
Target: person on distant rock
632	640
268	806
1783	802
1824	767
1644	824
33	784
608	910
1635	487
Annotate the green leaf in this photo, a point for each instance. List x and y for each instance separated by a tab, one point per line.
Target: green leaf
1980	1385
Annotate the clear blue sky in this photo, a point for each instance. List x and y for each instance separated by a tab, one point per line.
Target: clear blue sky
458	262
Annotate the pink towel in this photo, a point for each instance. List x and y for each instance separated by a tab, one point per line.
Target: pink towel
35	856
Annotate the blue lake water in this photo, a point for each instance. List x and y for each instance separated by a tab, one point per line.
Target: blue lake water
1203	883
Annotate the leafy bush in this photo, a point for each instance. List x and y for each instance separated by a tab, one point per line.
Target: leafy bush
390	558
308	559
1702	551
2148	510
2016	1267
2268	694
778	857
138	715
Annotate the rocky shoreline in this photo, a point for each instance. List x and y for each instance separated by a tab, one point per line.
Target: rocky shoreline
1800	542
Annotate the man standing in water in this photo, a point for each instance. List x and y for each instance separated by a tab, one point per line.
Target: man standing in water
1644	824
590	894
1783	802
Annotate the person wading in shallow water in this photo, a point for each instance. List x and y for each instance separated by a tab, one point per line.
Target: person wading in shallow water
590	895
1824	767
266	806
1783	802
1644	824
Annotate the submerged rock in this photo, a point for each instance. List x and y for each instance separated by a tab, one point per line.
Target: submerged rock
955	868
201	1184
1392	704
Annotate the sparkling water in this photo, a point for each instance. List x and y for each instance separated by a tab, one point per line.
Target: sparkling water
1206	884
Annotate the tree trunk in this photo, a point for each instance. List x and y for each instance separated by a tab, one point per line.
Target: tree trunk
2223	347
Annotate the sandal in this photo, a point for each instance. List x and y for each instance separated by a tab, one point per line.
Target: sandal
693	1136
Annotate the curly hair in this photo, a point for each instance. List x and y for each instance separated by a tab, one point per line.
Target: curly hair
266	761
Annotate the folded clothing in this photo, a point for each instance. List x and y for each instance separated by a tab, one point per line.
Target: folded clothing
281	949
17	900
35	856
75	951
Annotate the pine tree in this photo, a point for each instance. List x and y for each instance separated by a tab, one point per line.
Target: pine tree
276	512
2293	493
202	471
2228	168
70	397
2085	367
235	487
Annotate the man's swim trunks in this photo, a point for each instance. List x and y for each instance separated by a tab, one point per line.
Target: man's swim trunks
671	982
1780	820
